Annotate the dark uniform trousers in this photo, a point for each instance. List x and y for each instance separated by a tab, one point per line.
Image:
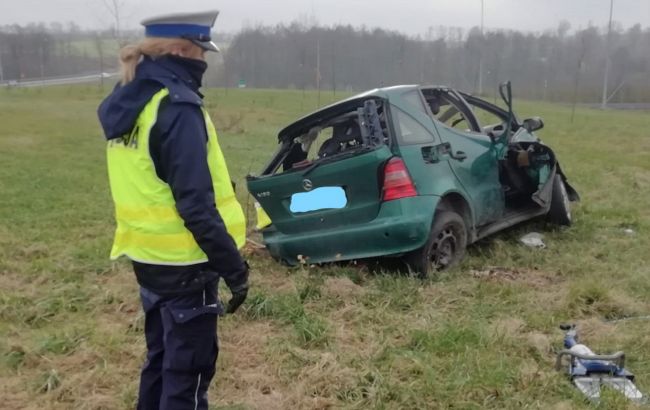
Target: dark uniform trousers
181	335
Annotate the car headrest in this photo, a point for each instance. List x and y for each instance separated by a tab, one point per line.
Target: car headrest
434	105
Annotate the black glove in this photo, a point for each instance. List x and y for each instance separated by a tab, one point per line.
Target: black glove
239	295
239	292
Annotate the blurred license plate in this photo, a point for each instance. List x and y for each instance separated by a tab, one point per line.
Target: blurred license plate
328	197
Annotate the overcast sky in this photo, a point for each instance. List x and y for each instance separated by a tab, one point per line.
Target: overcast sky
409	16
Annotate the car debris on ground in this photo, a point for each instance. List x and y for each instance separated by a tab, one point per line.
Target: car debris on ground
534	240
589	371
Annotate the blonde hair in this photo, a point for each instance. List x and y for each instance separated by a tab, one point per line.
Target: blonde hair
131	55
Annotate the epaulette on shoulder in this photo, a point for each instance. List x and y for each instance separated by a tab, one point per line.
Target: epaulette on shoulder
179	93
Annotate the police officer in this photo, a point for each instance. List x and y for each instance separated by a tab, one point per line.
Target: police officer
178	220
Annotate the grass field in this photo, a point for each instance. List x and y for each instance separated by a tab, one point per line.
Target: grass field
480	336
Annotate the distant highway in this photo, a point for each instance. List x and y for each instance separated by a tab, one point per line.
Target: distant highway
57	80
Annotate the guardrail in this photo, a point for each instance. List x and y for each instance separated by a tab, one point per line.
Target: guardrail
57	80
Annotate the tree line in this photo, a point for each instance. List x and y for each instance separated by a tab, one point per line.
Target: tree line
35	51
556	65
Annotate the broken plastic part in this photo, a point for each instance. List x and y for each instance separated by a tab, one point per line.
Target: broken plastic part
590	387
371	133
533	239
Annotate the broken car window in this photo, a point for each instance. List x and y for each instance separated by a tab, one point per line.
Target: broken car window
448	109
492	124
357	129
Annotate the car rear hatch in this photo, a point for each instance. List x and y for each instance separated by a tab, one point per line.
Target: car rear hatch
328	170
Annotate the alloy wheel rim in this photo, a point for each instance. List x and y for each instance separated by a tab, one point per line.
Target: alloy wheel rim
443	249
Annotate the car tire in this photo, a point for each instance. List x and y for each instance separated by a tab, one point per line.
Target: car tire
560	210
444	248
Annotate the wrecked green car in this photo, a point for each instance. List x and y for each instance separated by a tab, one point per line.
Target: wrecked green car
417	172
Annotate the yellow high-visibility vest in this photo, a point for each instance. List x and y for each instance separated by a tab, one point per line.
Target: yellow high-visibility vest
149	228
263	219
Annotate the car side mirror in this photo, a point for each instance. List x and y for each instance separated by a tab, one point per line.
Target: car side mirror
533	124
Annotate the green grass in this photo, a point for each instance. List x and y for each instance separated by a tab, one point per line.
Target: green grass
90	48
480	336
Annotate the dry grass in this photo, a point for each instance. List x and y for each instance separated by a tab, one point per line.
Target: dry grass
340	336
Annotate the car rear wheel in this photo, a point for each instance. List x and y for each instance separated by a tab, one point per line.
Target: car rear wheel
444	248
560	211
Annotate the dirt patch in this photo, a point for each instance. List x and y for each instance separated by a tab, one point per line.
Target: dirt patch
13	392
529	277
343	288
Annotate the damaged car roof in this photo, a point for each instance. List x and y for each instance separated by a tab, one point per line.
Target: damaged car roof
303	124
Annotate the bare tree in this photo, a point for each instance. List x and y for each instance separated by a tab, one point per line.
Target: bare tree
116	10
99	46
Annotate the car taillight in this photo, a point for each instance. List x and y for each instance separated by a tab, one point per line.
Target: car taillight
397	181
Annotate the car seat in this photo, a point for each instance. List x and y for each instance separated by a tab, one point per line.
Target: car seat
343	135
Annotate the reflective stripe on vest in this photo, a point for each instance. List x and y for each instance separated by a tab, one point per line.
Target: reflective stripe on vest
149	228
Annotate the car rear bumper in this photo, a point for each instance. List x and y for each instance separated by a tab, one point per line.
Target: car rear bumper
400	226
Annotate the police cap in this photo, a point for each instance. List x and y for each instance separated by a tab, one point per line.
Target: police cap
191	26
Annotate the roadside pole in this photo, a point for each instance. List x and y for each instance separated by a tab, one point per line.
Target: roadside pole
607	59
318	71
480	59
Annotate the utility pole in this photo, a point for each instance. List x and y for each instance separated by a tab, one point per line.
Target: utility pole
318	70
2	74
480	59
333	68
99	44
603	105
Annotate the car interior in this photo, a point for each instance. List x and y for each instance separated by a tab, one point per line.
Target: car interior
341	134
515	175
450	111
346	135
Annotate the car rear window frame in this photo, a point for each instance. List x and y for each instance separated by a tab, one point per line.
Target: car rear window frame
274	166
